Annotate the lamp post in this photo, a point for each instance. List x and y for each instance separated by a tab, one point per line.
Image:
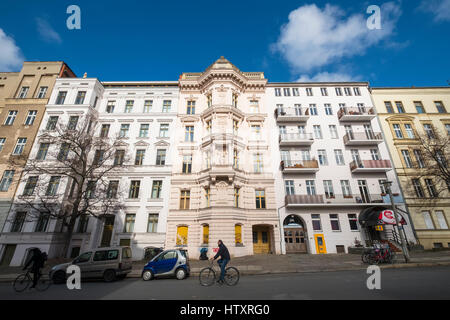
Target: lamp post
387	185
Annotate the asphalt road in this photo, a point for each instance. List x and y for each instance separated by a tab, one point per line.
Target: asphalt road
408	283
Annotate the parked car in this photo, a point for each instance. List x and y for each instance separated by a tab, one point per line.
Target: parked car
107	263
168	263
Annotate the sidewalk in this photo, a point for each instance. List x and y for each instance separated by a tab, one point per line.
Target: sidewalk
277	264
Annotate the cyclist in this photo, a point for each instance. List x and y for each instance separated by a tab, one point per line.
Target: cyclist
38	262
223	261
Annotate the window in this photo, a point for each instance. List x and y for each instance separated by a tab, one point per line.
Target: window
260	199
328	109
95	102
419	158
152	223
182	233
375	154
73	121
309	92
356	91
20	145
42	152
189	134
51	124
398	131
287	92
447	127
148	104
389	108
339	157
129	223
238	234
30	117
324	91
61	97
23	92
295	92
429	130
208	197
347	91
317	226
312	110
257	163
418	188
345	186
236	127
83	223
440	107
160	157
400	107
41	93
334	220
135	185
124	128
323	159
328	188
19	219
353	221
129	106
12	114
407	159
254	106
30	186
317	132
235	159
338	91
6	180
80	97
409	131
113	187
119	157
333	132
166	105
156	189
143	132
90	189
185	198
419	107
431	188
187	164
441	219
310	187
2	143
289	187
190	107
256	132
164	130
63	152
236	197
428	221
53	185
110	106
105	130
209	100
277	92
139	160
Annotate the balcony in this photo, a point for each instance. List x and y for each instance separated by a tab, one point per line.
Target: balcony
338	200
360	138
368	166
292	114
356	114
296	139
304	166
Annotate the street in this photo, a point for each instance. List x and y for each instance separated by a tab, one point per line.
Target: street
408	283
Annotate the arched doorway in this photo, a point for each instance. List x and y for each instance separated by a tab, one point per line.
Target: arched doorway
294	234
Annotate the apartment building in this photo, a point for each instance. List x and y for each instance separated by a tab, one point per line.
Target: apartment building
142	114
331	161
222	180
407	115
23	96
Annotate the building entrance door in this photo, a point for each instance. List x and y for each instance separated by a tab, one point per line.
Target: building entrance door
261	240
107	231
295	240
320	243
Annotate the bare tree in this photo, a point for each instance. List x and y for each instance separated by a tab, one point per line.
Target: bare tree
74	180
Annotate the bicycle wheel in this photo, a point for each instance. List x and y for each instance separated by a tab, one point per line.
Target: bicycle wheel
207	277
231	276
364	258
373	259
43	283
21	282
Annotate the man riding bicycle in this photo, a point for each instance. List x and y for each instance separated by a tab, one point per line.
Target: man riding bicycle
223	261
38	261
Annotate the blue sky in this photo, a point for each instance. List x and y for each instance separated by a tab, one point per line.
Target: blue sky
288	40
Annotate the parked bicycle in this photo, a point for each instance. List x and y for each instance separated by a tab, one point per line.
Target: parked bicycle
25	280
378	254
209	275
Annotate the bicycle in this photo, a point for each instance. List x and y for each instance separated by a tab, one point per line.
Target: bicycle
208	275
23	281
381	254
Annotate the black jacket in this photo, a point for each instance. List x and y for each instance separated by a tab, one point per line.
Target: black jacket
37	261
223	253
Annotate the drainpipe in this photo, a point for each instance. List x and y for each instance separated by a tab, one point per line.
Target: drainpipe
279	226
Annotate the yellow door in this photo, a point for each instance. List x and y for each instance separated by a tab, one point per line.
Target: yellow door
182	233
261	241
320	243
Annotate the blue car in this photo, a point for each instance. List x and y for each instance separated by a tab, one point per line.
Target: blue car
167	263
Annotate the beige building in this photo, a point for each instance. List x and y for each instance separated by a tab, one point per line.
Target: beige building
405	114
23	96
222	184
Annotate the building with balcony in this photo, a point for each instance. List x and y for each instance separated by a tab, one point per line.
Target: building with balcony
416	125
331	162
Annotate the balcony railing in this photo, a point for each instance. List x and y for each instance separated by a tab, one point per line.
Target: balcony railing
370	166
299	166
296	139
333	199
292	114
355	138
356	113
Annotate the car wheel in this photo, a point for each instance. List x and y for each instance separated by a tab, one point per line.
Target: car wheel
180	274
109	275
59	277
147	275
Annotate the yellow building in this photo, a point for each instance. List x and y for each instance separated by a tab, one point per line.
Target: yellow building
409	117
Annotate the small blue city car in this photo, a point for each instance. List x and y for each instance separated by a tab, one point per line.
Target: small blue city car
173	263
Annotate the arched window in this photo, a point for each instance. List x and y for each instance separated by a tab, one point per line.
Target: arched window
205	234
182	234
238	234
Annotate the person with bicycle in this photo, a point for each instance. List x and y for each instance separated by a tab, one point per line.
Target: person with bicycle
37	260
223	261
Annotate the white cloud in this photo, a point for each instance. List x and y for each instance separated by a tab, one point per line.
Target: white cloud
328	77
440	9
46	31
10	55
314	37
